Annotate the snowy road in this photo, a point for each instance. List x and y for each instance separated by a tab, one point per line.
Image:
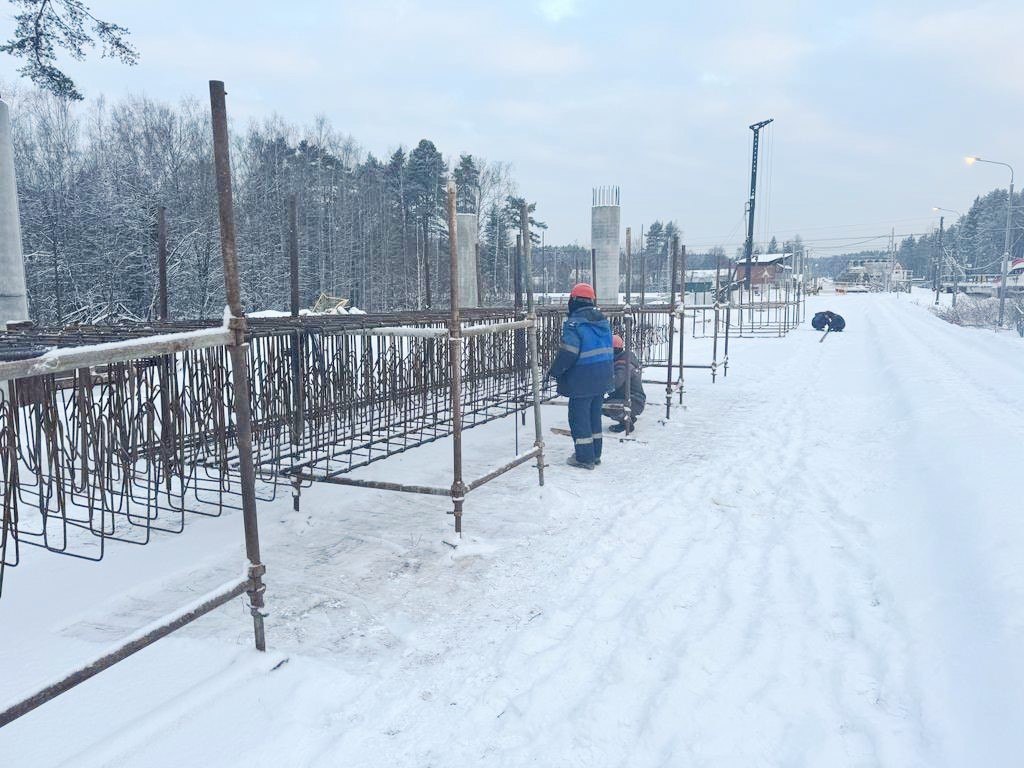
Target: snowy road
818	563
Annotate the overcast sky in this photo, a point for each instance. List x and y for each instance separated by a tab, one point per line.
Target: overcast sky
875	104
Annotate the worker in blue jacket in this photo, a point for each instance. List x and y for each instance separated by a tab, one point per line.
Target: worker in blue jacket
583	369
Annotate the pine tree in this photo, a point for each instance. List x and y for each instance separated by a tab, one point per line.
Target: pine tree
46	26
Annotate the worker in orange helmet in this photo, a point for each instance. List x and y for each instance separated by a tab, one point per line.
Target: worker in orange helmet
583	369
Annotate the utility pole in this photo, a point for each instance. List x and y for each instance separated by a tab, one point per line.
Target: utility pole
940	258
1009	226
748	248
1006	252
892	260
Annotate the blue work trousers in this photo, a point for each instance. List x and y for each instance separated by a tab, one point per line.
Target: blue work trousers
585	426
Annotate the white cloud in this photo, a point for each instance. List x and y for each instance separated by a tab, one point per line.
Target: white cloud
558	10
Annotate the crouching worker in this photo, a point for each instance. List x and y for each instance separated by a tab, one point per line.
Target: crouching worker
626	367
583	369
826	319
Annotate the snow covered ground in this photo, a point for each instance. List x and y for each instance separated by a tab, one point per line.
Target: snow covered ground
820	562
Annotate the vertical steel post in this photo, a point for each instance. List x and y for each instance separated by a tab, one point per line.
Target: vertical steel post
627	350
517	276
643	271
518	339
728	312
671	324
161	261
298	401
682	318
293	252
455	360
237	351
593	269
939	260
629	265
714	334
531	314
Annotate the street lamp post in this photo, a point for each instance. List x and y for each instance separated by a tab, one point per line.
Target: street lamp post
956	258
1006	244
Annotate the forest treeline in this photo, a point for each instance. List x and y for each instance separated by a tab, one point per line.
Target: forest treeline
91	178
974	240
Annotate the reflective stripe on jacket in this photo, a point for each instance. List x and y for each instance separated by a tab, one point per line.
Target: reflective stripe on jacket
583	365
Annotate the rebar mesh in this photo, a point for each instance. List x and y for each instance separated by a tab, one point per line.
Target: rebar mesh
124	450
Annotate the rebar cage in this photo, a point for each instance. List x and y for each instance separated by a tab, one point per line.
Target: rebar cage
123	450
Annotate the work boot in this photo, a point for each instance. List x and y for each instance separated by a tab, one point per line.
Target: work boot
620	427
573	462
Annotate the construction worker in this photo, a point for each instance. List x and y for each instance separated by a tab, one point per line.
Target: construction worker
583	370
827	319
625	366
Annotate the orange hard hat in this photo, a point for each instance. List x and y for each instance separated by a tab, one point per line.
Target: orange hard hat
617	342
583	291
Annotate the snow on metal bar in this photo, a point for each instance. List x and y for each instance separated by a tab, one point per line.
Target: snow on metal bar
63	360
130	645
477	330
423	333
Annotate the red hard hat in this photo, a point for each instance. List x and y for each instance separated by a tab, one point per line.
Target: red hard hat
617	342
583	291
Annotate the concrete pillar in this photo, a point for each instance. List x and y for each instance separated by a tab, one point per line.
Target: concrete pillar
605	218
13	301
466	240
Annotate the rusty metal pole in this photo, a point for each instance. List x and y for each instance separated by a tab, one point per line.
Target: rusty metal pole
239	364
298	399
643	273
671	325
682	321
629	265
627	350
455	360
531	333
728	315
593	269
517	277
714	343
519	340
161	261
293	252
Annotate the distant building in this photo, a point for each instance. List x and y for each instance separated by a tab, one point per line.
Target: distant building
703	280
765	267
874	275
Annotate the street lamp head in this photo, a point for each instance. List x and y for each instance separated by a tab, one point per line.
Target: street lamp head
936	209
971	160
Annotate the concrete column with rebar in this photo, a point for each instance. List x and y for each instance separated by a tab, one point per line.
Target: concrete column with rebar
605	220
466	239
